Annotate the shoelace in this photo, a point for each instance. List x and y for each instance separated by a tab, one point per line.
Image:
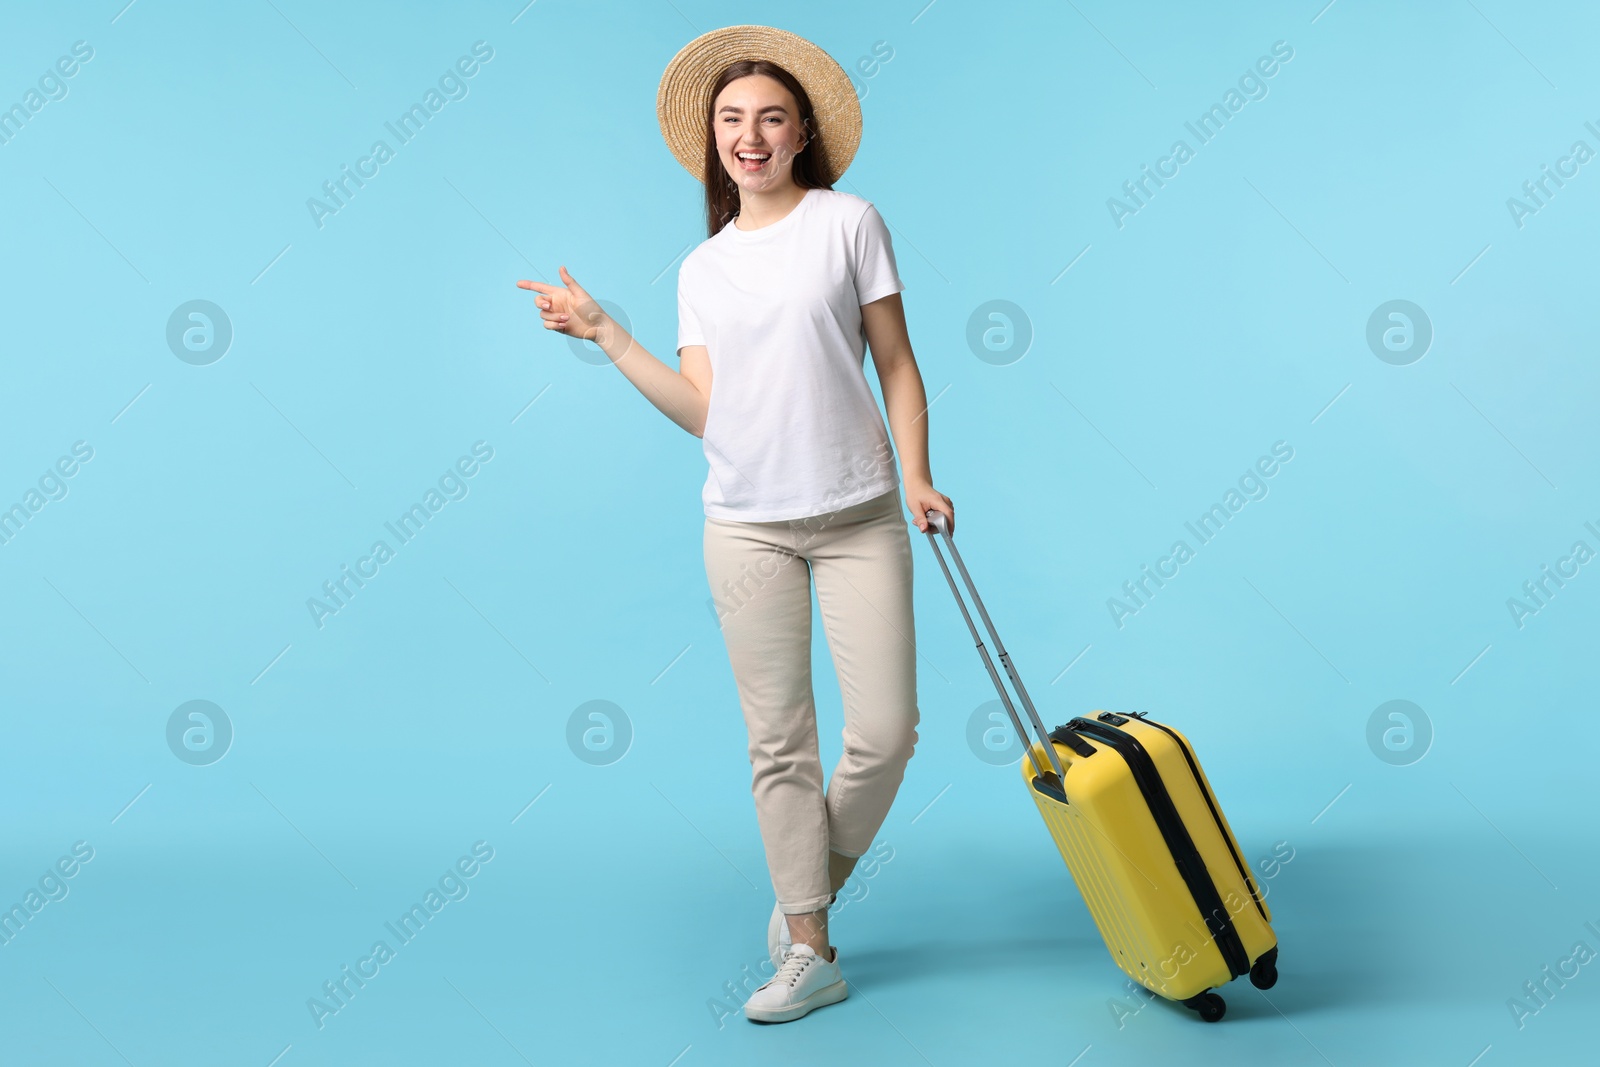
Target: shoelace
794	965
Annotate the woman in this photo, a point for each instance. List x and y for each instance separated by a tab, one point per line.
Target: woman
776	308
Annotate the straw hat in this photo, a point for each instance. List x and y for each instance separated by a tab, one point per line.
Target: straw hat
684	96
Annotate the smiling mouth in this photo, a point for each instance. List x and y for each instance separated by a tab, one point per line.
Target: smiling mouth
752	160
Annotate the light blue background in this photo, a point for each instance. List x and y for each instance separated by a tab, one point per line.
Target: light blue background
370	353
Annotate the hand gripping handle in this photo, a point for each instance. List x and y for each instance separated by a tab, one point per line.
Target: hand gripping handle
937	523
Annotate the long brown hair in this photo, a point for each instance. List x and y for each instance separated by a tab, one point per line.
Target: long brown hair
722	194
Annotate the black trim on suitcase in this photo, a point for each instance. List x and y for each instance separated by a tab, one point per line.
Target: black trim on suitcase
1048	784
1200	783
1179	843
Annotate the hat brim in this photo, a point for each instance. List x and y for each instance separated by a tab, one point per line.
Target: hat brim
684	95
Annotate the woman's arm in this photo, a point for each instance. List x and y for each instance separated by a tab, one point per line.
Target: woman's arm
907	404
682	396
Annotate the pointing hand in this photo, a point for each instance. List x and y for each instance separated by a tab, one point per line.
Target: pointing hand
568	308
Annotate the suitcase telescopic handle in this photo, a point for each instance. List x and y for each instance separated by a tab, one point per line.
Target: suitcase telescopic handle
939	525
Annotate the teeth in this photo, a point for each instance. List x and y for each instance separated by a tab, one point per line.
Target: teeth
752	156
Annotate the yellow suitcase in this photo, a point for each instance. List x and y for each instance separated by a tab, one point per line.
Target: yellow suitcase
1141	831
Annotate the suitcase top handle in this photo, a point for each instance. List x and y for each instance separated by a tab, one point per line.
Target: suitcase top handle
1066	736
938	524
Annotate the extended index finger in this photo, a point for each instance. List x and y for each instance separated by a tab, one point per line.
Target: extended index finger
537	286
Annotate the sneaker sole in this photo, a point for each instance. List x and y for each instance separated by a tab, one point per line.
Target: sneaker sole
831	994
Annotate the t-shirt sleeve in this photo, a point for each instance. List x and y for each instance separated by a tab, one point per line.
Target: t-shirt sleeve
876	275
689	332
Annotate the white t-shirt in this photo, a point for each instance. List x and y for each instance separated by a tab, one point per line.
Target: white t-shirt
792	429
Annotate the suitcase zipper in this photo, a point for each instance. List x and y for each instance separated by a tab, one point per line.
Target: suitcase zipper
1184	854
1227	838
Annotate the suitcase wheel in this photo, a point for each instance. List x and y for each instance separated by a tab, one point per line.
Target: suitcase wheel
1264	975
1210	1006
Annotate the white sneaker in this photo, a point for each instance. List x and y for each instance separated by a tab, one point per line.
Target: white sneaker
804	981
778	939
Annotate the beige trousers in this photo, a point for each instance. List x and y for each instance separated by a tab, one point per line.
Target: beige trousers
760	575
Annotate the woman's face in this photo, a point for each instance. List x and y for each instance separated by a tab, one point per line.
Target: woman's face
757	116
